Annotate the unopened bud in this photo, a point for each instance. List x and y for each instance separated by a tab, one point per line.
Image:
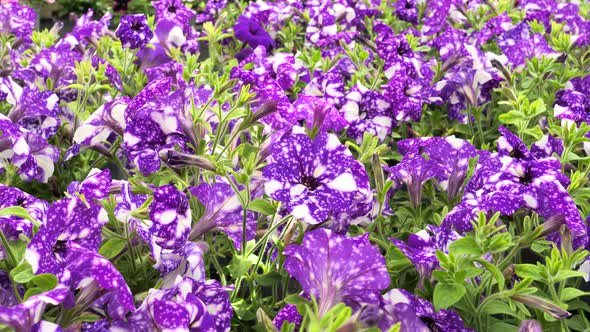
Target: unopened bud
542	304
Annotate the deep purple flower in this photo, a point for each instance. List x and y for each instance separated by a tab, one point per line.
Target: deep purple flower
573	103
288	314
514	179
173	10
88	30
268	92
336	268
435	16
73	220
329	85
251	32
520	44
446	159
189	304
417	314
12	226
58	64
319	115
34	110
494	27
367	112
170	215
407	10
98	281
421	248
212	9
99	130
153	126
407	95
30	153
17	19
28	315
314	178
224	211
133	31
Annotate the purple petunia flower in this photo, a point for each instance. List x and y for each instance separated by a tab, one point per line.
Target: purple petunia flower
133	31
335	268
367	112
267	91
288	314
417	314
153	126
421	248
224	211
28	315
319	115
329	85
202	306
515	179
99	130
446	159
251	32
12	226
407	10
407	94
314	178
573	102
34	110
170	215
86	30
17	19
520	44
173	10
30	153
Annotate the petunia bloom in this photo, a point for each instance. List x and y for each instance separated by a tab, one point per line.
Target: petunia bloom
224	211
200	306
133	31
314	178
417	314
251	32
335	268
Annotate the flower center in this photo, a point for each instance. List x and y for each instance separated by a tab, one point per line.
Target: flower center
516	154
526	178
172	9
430	323
135	26
310	182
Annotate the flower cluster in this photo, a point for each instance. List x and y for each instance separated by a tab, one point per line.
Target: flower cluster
321	165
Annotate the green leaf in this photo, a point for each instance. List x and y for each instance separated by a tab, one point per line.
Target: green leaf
262	206
32	292
265	320
495	271
18	211
495	307
465	246
565	274
447	294
529	270
23	273
45	281
570	293
88	317
296	300
395	328
239	266
112	247
268	279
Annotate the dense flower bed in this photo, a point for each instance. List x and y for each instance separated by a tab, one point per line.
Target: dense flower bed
320	165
